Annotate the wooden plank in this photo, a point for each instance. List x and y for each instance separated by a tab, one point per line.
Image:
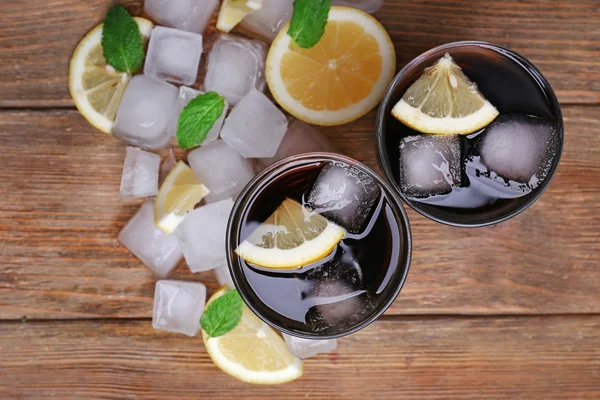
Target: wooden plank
37	39
60	214
441	358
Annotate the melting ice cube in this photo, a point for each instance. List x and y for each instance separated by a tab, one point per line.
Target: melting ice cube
167	165
224	276
173	55
305	348
187	15
140	174
270	18
178	306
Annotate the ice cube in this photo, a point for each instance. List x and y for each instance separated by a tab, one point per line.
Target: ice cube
140	174
159	251
173	55
270	18
429	164
224	276
186	95
344	195
201	236
369	6
221	169
255	127
300	138
145	111
305	348
519	148
178	306
167	165
235	66
187	15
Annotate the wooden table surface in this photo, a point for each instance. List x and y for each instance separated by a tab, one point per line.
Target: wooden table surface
510	311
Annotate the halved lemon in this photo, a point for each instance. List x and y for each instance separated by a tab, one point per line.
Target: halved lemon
444	101
233	11
338	80
291	237
97	88
179	193
252	352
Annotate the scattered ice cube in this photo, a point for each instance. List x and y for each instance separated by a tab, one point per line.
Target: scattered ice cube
173	55
201	236
167	165
186	95
187	15
140	174
345	195
224	276
178	306
519	148
235	66
369	6
223	170
270	18
255	127
305	348
300	138
145	111
429	164
159	251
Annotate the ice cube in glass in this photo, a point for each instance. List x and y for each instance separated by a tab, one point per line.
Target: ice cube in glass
223	170
140	174
178	306
235	66
255	127
201	236
305	348
173	55
187	15
144	112
157	250
270	18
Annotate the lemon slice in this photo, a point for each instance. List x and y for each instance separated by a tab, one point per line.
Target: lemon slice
97	88
179	193
444	101
252	352
338	80
291	237
233	11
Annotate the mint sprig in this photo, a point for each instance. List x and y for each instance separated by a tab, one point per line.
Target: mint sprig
222	315
197	118
122	43
308	22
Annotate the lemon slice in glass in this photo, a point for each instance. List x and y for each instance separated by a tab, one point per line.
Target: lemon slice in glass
179	193
252	352
291	237
96	87
444	101
233	12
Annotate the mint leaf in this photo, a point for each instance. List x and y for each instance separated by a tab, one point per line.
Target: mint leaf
197	118
222	315
122	43
308	21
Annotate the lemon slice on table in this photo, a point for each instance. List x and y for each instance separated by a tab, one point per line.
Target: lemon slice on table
96	87
444	101
338	80
179	193
252	352
291	237
233	12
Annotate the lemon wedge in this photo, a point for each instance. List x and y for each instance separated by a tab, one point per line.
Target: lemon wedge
291	237
233	12
179	193
444	101
252	352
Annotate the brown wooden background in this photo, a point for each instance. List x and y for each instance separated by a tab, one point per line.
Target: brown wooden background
510	311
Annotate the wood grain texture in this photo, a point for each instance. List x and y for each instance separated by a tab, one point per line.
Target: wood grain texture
561	37
60	214
411	358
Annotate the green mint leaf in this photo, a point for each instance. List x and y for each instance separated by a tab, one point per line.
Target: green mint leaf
308	21
122	43
197	118
222	315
